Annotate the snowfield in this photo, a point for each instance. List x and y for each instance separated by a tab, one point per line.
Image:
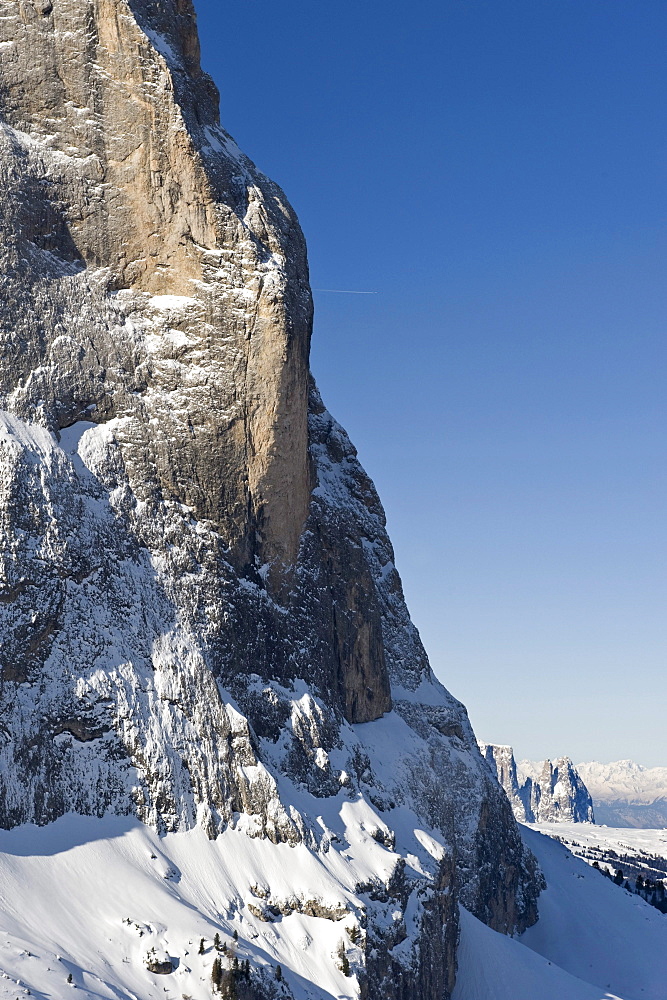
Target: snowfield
623	840
593	941
96	898
595	930
494	967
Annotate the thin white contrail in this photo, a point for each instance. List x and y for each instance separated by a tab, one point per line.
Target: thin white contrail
344	291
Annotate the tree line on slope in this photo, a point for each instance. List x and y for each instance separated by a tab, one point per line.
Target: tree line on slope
652	891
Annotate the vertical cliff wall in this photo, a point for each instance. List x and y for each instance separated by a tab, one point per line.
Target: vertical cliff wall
555	792
540	793
200	618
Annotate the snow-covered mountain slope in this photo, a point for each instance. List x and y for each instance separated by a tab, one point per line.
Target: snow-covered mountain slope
496	967
98	899
594	941
201	623
626	793
109	901
594	930
544	792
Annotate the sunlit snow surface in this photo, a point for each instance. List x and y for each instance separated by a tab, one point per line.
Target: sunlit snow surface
593	941
620	839
67	892
93	897
595	929
494	967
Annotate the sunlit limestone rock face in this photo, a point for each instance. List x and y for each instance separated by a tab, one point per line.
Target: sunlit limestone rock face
200	619
556	792
548	792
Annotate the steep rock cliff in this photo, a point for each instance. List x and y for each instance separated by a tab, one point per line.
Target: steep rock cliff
555	792
501	762
540	793
200	618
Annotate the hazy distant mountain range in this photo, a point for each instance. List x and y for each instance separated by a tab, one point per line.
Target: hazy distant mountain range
627	794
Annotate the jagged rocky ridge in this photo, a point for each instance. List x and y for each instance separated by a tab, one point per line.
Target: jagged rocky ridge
557	792
200	618
627	794
546	792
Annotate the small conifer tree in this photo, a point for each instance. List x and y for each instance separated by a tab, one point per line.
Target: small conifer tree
343	963
216	973
216	941
279	973
202	947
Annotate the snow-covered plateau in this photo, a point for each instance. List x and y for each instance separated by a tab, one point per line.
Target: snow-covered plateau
650	841
639	855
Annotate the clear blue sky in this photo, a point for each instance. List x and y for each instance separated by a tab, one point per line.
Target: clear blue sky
496	172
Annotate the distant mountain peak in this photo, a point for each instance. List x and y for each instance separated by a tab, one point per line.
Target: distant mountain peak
627	793
540	792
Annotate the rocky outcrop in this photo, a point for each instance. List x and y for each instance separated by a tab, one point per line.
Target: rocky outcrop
159	966
200	617
540	793
556	792
502	764
119	166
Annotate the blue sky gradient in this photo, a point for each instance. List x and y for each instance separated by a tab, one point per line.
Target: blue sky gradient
495	171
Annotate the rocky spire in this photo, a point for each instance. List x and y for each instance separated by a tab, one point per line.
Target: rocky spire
548	792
